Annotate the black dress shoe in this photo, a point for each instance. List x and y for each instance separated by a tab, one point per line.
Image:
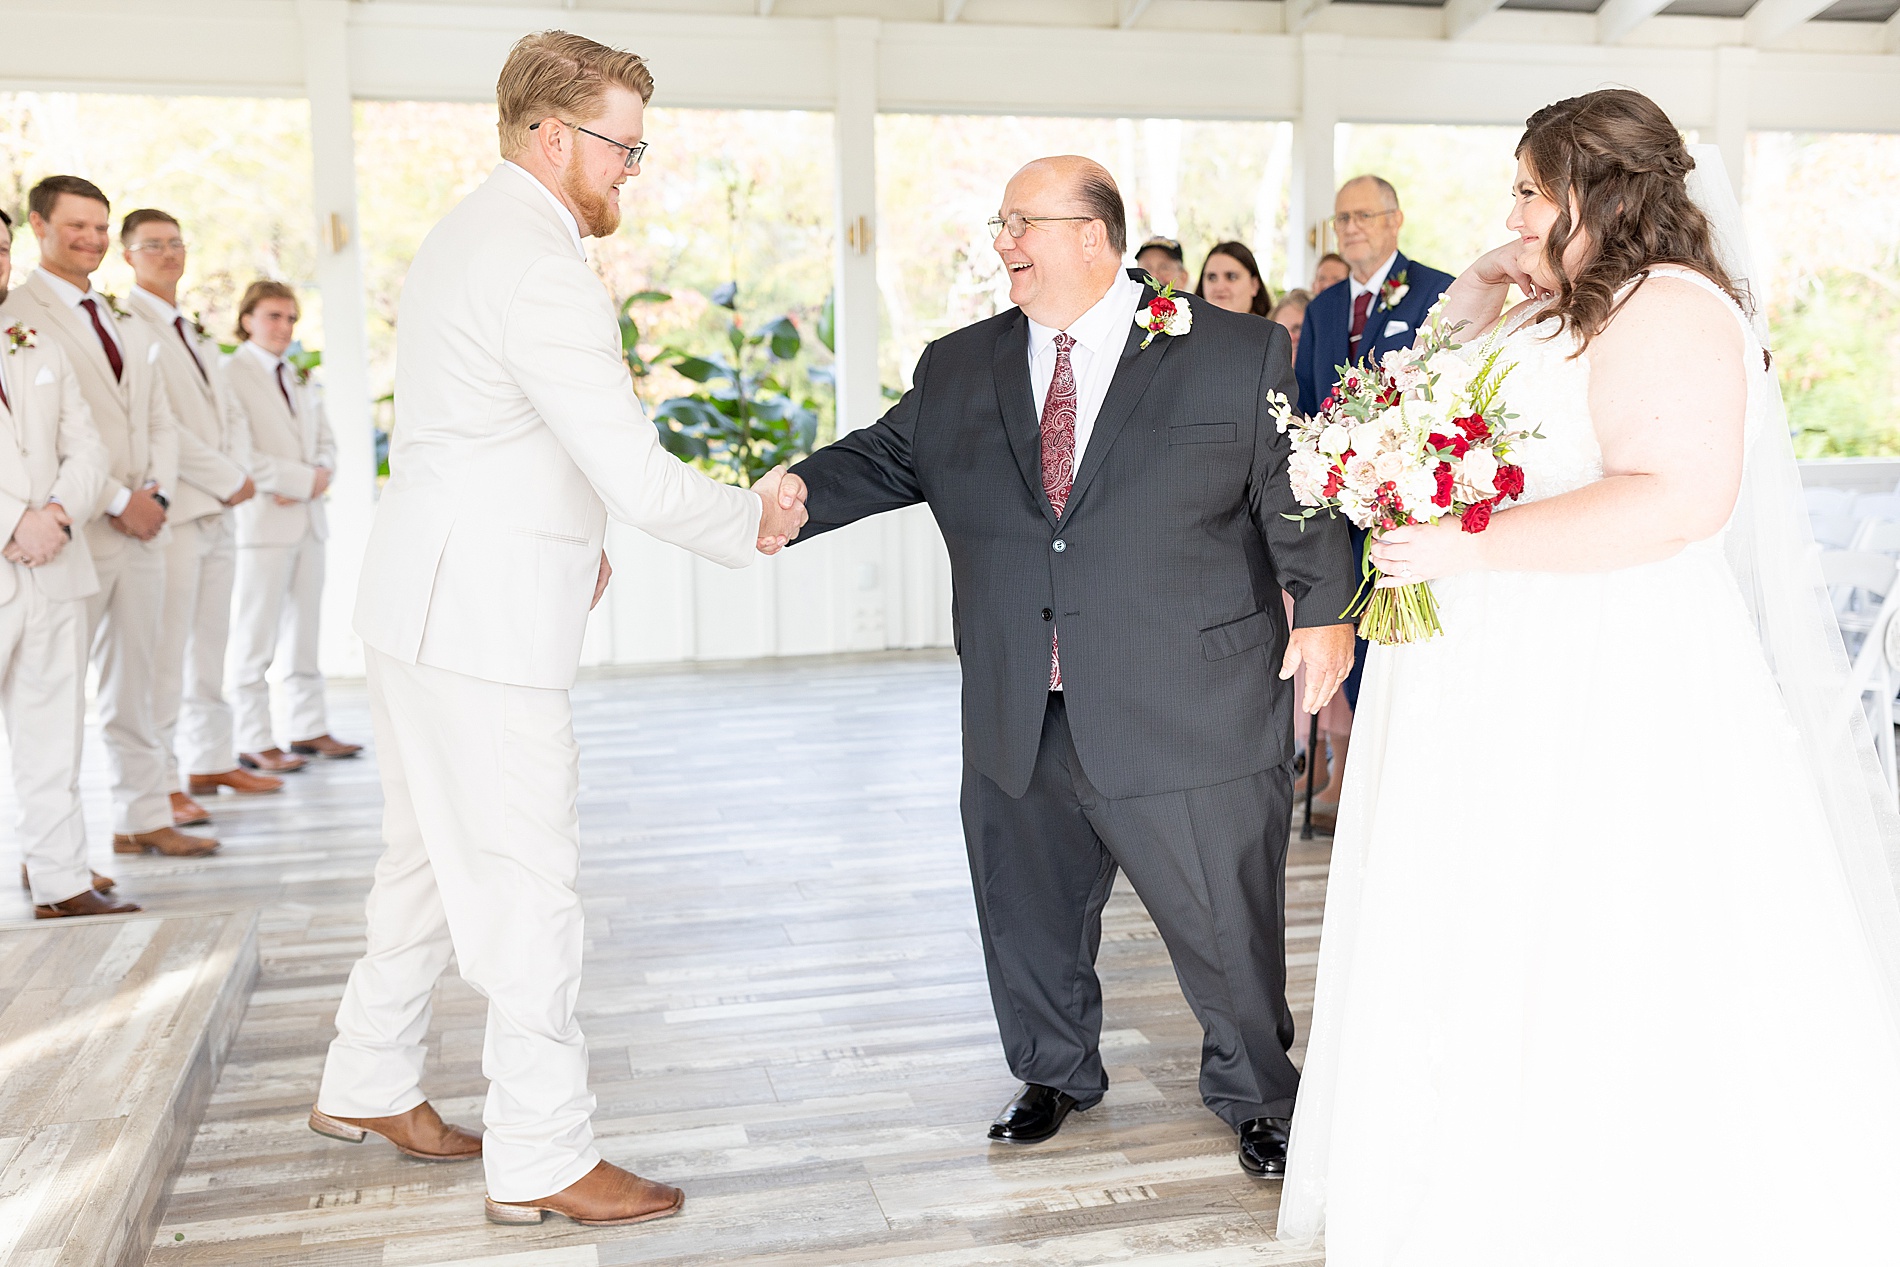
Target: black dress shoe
1263	1146
1033	1116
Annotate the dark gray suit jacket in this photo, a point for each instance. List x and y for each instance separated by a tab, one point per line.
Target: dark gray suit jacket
1163	574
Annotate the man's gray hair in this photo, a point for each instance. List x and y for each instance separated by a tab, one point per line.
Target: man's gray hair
1102	201
1383	185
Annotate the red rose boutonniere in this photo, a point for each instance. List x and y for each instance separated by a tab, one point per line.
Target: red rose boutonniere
21	336
1393	293
1167	314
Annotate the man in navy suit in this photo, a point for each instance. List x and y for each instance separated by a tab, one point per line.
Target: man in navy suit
1378	308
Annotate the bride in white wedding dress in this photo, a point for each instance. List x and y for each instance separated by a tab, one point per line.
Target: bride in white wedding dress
1570	1011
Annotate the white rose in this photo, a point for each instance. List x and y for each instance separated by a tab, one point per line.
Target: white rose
1390	465
1335	440
1454	375
1183	319
1361	475
1306	473
1475	476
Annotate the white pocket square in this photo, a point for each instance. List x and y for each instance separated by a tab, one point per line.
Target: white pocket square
151	355
1394	327
44	377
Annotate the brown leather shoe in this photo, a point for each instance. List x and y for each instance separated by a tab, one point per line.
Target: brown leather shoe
420	1133
103	883
325	746
187	812
275	760
91	902
239	780
166	840
605	1196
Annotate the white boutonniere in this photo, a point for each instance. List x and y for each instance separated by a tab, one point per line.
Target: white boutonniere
1165	314
1394	291
198	326
118	309
21	336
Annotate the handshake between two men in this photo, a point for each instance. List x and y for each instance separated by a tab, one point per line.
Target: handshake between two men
781	515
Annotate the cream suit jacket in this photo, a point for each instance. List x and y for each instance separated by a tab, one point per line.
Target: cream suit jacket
517	433
131	414
211	444
286	450
48	451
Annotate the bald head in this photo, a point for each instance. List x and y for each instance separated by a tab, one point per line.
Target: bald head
1087	185
1074	231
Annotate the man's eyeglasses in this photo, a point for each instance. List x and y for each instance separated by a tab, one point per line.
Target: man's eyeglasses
1363	219
1016	224
158	248
635	152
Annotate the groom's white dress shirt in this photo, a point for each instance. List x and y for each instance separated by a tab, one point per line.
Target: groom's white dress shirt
1100	334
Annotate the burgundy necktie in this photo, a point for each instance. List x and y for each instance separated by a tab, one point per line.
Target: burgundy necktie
284	387
1360	307
105	339
1058	458
178	324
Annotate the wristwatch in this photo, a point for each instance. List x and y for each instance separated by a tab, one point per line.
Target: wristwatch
164	502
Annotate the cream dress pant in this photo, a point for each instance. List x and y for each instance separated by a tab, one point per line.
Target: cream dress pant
194	722
481	831
122	626
43	694
279	600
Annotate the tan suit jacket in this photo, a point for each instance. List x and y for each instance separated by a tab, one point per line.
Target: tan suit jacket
131	414
48	451
286	449
212	443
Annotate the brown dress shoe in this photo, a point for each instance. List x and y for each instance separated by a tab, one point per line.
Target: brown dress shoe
91	902
605	1196
420	1133
187	812
275	760
166	840
103	883
324	746
239	780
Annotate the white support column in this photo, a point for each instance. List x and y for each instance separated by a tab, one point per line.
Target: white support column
1313	177
345	372
859	403
1732	68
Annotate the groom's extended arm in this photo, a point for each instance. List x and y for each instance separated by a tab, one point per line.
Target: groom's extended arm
868	471
1313	560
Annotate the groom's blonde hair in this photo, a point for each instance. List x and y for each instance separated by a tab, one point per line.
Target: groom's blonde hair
564	76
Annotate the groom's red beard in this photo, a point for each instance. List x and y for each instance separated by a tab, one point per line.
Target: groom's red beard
599	216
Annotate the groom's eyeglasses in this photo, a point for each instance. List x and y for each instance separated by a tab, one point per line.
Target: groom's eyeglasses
635	152
1018	224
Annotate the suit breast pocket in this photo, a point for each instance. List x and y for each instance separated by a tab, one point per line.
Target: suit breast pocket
1204	433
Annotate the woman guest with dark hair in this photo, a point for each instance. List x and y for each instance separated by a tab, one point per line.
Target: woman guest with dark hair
1231	279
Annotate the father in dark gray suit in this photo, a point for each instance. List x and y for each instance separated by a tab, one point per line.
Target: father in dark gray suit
1114	515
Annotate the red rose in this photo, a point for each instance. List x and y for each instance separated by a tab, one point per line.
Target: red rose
1473	427
1458	445
1334	482
1478	518
1162	307
1442	497
1510	481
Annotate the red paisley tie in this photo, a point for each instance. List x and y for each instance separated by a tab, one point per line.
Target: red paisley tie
1360	307
1058	458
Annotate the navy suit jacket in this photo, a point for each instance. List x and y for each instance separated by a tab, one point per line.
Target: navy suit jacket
1327	334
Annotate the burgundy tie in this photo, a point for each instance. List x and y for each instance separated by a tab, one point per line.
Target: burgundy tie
1058	458
178	324
105	339
284	387
1360	307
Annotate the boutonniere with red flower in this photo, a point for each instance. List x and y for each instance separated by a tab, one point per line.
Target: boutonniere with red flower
1165	314
1394	291
21	336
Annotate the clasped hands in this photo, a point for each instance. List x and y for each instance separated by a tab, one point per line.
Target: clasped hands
143	517
39	536
319	484
783	513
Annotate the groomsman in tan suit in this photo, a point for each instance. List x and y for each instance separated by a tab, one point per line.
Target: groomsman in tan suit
280	535
517	435
201	565
50	459
116	362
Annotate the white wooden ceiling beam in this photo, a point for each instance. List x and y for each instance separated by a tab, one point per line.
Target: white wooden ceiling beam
1893	34
1617	18
1299	14
1769	20
1462	15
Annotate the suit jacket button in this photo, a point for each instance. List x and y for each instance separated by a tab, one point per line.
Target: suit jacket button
1060	545
1048	613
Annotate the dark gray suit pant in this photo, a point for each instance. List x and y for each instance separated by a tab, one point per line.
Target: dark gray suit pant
1210	865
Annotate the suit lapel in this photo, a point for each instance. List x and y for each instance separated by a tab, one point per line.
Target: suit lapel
1376	317
1132	376
1017	399
79	331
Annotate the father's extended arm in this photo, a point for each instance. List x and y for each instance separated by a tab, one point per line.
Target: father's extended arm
868	471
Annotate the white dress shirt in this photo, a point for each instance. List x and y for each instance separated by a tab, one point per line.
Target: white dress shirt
1100	334
567	217
1376	281
73	297
272	362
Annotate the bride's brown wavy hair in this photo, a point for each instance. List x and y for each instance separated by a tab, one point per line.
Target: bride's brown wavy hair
1620	157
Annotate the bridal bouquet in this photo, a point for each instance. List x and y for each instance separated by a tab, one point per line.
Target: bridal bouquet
1422	435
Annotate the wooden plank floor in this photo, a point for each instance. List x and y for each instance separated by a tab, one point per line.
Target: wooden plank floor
784	1001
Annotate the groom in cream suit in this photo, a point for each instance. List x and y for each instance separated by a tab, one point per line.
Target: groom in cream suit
116	361
51	460
201	565
517	435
